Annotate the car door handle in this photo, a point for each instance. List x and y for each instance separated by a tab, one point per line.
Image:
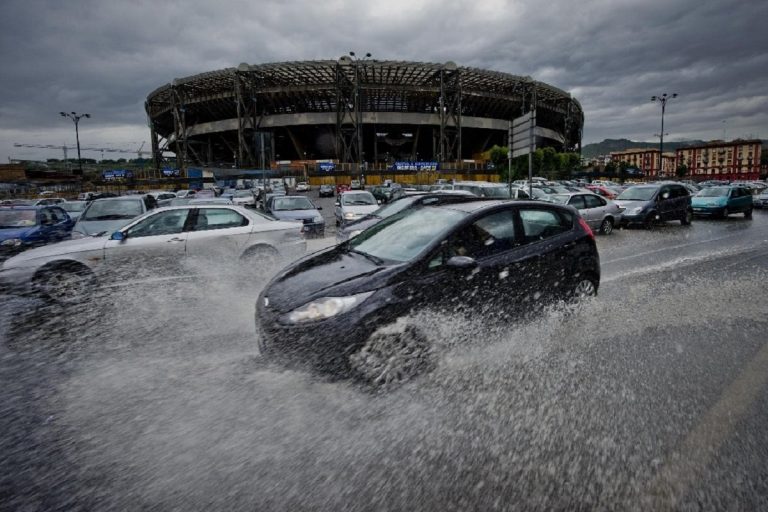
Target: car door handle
176	239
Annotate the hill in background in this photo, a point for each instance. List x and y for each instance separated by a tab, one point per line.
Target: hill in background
608	145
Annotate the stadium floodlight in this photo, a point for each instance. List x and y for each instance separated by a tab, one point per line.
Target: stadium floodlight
76	119
663	98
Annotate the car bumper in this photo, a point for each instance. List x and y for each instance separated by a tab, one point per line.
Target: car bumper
708	210
323	346
317	229
638	218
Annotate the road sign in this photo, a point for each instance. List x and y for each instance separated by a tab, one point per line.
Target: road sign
523	134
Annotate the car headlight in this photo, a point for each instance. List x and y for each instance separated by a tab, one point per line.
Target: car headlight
318	219
635	210
325	307
13	242
350	215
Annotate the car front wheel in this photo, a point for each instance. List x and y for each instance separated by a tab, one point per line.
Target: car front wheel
64	285
687	218
606	227
392	355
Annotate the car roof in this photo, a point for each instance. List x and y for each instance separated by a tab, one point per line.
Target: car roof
346	192
24	206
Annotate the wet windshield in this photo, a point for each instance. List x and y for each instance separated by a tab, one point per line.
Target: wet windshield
292	203
358	199
395	207
113	210
404	235
17	218
638	194
713	192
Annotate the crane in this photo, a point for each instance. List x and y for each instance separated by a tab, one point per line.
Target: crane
64	148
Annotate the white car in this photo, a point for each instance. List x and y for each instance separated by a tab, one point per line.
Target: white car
353	205
176	240
244	198
302	186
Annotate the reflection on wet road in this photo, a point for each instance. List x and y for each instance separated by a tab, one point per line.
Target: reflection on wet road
652	396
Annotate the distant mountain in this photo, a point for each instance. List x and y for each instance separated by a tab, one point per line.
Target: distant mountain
608	145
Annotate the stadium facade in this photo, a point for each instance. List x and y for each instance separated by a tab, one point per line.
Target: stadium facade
355	112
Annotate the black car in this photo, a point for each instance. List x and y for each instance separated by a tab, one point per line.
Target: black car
327	191
413	201
337	310
654	203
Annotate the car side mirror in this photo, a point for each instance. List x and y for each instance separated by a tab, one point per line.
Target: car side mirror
461	262
665	195
378	201
118	235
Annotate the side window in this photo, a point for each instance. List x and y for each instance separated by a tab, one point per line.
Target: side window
522	194
665	193
164	223
489	235
218	218
541	224
58	215
594	201
46	219
681	191
577	202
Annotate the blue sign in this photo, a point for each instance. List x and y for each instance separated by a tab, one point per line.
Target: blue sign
327	166
415	166
116	174
168	172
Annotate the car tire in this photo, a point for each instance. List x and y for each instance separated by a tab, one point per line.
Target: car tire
392	356
725	213
748	214
606	227
687	218
584	286
649	221
64	285
260	258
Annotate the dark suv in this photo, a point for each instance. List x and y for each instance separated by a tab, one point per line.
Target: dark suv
654	203
338	310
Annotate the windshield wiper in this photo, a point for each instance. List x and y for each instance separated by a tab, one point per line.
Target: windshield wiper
374	259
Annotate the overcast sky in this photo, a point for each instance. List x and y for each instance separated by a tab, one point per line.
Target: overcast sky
104	57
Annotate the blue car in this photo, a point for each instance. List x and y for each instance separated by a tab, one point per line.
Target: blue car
298	208
721	201
22	227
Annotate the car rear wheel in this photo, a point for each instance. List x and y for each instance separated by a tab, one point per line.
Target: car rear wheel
584	287
64	285
687	218
260	258
748	214
726	213
649	221
606	227
392	356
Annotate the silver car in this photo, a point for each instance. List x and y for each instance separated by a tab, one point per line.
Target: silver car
354	205
176	240
601	214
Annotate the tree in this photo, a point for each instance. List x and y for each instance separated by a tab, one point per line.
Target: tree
681	170
622	171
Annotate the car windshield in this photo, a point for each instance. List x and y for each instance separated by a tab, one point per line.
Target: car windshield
395	207
713	192
74	206
358	198
113	210
292	203
403	236
638	194
17	218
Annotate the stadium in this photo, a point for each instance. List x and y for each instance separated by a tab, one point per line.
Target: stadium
353	114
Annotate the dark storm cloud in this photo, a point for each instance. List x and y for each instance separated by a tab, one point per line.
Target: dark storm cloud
104	57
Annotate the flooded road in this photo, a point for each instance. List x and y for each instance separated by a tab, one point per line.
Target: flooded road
652	396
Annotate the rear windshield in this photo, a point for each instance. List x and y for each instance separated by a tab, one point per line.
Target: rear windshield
17	218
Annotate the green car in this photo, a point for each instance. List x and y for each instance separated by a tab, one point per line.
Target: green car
722	200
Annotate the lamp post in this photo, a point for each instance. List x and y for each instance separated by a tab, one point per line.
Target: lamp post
357	107
76	119
663	100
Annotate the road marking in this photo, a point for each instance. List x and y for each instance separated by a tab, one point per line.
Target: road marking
688	464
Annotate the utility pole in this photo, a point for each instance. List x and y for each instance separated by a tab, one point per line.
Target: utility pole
76	119
663	100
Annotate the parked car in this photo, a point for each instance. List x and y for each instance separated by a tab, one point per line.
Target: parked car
298	208
49	201
355	185
760	201
337	310
387	194
183	194
721	201
74	208
354	205
23	227
209	200
302	186
602	190
162	197
342	187
167	236
205	193
654	203
110	214
494	190
353	229
326	190
601	214
244	198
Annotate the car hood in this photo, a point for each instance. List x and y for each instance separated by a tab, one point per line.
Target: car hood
630	203
58	249
708	201
334	272
8	233
92	227
360	209
295	214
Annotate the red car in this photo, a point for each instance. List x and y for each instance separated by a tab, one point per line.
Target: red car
341	187
603	191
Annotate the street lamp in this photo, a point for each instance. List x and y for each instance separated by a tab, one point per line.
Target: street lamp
663	100
76	119
357	107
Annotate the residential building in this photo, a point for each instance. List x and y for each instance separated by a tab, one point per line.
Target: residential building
734	160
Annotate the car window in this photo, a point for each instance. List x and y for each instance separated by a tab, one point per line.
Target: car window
46	217
489	235
541	224
218	218
578	202
594	201
163	223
